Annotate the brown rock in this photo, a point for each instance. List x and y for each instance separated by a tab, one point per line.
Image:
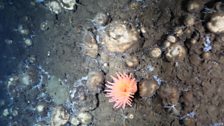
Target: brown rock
147	88
132	61
194	5
188	97
195	59
94	81
90	47
175	51
189	122
169	95
120	38
59	116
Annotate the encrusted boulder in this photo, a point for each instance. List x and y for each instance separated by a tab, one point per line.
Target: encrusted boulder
119	37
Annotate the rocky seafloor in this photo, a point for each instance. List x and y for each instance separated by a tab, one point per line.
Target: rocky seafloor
57	56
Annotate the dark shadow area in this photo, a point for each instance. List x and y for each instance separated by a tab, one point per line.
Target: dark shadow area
14	13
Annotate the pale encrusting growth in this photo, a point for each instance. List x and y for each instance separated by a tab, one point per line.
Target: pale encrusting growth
122	89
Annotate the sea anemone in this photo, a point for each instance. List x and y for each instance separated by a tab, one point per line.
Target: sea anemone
122	89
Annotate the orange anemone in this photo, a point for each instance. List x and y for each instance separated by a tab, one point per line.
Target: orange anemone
122	89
